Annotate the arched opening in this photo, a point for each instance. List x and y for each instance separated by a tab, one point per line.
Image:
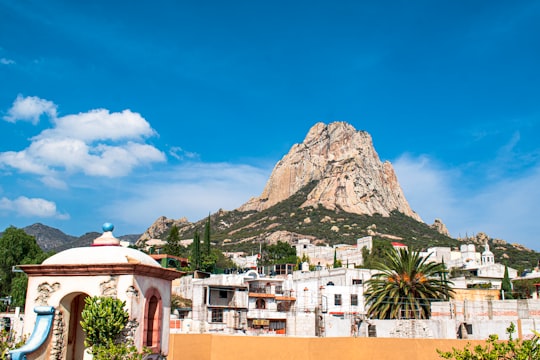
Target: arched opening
153	314
71	308
260	304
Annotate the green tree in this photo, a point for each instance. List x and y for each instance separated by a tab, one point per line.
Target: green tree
222	262
337	263
206	238
506	286
512	349
196	251
405	285
377	253
208	256
19	284
279	253
303	259
173	246
17	248
208	262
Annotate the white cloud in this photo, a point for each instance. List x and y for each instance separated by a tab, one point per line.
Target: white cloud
427	187
54	182
504	208
22	161
100	124
31	207
191	191
115	161
508	208
30	108
96	143
5	61
180	154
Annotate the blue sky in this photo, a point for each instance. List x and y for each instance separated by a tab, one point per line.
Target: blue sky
125	111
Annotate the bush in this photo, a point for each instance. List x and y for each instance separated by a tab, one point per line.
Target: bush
103	319
8	342
513	349
117	351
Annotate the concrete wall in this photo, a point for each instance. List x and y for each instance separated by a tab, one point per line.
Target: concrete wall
476	294
449	328
221	347
467	310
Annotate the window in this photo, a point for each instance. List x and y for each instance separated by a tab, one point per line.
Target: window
222	294
372	331
260	304
354	299
217	315
464	331
357	282
337	299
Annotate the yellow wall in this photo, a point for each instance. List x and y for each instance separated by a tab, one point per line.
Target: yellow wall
476	294
222	347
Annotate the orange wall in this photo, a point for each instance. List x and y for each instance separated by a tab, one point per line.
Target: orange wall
222	347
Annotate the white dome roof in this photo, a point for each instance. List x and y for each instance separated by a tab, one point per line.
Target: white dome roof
101	255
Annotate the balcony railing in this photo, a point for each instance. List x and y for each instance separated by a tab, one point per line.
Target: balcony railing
278	290
260	289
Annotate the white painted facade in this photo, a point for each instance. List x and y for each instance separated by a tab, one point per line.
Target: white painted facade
66	279
478	268
310	303
324	255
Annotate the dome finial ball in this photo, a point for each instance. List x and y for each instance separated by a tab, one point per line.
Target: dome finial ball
108	226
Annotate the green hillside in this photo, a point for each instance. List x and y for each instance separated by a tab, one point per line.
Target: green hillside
245	231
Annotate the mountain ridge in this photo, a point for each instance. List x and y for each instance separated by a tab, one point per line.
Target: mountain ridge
52	239
348	171
332	189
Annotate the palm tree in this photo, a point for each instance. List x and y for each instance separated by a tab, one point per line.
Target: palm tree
405	286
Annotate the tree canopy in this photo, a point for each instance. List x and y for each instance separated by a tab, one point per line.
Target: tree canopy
405	285
173	246
195	258
279	253
17	248
506	286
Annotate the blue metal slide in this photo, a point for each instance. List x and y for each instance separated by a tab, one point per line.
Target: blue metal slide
44	323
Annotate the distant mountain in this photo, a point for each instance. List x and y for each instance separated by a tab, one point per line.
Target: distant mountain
52	239
48	238
332	189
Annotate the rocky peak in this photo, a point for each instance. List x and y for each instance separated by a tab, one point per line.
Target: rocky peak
160	227
349	174
440	227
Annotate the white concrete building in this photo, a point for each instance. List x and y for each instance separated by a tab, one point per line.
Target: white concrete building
327	302
324	255
477	269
